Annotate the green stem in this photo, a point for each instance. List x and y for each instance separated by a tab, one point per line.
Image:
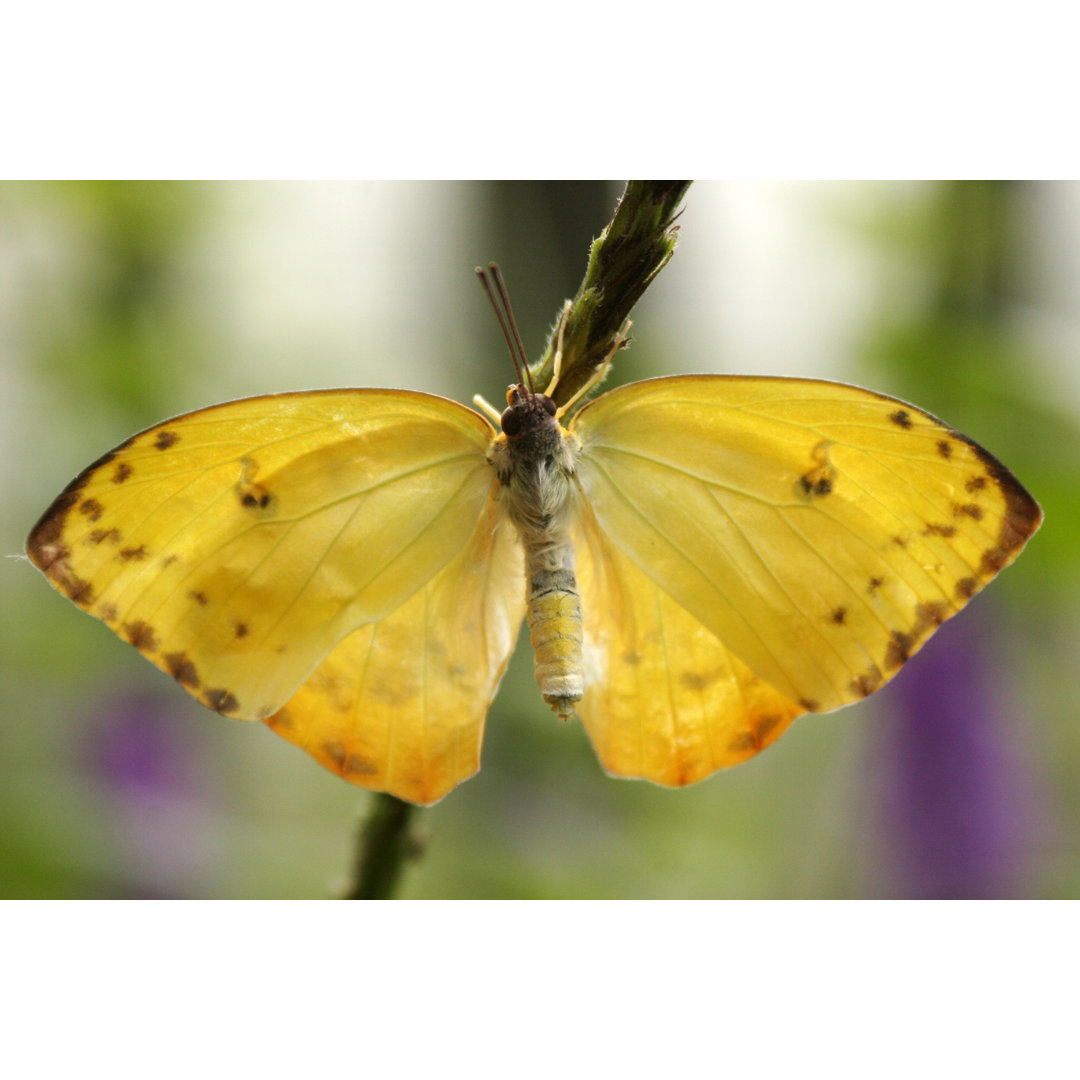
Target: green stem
636	245
384	844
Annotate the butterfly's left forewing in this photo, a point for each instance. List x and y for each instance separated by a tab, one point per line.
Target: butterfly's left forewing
236	546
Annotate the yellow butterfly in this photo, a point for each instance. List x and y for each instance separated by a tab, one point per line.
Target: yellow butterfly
701	558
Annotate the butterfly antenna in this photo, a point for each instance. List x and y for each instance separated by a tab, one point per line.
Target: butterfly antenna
505	314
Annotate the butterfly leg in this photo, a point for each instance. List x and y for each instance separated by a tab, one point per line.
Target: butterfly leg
485	406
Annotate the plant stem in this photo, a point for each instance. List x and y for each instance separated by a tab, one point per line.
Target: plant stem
634	247
384	843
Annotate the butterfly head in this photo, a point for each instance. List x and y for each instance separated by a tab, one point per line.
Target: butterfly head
526	411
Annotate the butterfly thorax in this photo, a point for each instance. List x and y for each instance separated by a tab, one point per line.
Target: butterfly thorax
534	459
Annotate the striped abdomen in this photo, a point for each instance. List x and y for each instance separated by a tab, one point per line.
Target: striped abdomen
534	460
555	625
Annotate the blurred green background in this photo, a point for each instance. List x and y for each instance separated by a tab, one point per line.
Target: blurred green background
122	304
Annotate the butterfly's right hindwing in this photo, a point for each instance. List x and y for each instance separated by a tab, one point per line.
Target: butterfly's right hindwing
664	700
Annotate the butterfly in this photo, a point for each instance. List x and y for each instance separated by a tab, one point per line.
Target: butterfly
701	559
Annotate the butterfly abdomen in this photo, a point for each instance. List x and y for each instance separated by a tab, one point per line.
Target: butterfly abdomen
554	612
534	460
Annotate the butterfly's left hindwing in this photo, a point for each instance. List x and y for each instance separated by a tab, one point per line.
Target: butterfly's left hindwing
236	546
821	532
399	705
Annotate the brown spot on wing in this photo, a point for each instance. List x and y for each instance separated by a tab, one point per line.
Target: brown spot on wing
138	554
252	495
91	509
182	669
166	439
874	584
101	536
122	472
742	742
820	479
694	680
975	483
141	635
814	483
944	448
993	560
902	419
355	765
256	497
809	704
967	509
838	615
899	649
221	701
757	737
934	529
347	762
241	629
199	597
967	587
766	725
929	616
870	680
75	588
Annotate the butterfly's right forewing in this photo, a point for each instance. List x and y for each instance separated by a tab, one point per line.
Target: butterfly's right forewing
820	531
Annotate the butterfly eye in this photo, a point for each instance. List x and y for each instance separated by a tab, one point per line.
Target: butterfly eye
511	422
547	403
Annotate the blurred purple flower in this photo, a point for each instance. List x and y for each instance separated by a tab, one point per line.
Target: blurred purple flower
138	752
157	794
956	803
